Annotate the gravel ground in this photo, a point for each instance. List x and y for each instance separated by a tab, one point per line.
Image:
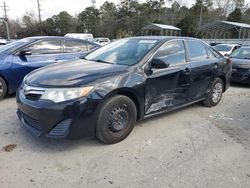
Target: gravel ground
192	147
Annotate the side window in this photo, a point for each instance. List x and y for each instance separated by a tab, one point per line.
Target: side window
172	52
45	47
73	46
210	54
197	50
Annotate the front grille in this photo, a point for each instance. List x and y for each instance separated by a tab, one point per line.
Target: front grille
33	97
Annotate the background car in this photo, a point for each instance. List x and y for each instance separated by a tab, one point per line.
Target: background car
214	43
241	65
3	41
19	58
105	93
83	36
226	49
102	41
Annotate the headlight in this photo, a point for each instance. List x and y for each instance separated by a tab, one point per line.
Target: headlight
65	94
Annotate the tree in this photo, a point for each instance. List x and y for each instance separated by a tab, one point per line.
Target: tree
30	25
235	16
64	22
227	6
49	27
89	21
188	26
108	13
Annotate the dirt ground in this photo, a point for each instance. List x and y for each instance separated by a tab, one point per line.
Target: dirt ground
192	147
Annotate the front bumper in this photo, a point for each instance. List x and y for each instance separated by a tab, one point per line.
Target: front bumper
241	76
71	119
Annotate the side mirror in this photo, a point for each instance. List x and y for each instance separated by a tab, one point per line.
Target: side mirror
227	55
24	52
159	64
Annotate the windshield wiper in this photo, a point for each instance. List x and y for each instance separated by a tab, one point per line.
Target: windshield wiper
100	61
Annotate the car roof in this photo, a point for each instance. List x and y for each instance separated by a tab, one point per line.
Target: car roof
245	47
162	37
229	44
54	37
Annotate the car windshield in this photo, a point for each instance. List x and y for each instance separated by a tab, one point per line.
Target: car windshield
123	51
242	53
14	45
224	48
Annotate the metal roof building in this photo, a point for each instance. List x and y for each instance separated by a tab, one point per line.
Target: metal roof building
225	29
161	30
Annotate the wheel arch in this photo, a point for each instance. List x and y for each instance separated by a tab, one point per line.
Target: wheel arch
130	93
223	78
6	82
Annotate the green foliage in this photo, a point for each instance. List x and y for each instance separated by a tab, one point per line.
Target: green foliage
129	17
188	26
235	16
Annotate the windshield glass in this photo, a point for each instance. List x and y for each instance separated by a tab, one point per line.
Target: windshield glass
242	53
14	45
123	51
223	47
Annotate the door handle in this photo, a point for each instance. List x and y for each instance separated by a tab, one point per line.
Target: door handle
186	71
58	61
215	66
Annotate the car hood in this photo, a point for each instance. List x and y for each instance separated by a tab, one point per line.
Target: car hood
72	74
241	63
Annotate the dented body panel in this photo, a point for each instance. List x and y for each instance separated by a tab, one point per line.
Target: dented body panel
152	90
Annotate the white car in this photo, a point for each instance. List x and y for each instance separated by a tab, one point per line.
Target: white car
102	41
84	36
226	49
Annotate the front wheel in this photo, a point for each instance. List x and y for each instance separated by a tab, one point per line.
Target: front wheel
116	119
215	94
3	88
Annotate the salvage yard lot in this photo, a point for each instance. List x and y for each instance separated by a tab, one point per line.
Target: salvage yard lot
192	147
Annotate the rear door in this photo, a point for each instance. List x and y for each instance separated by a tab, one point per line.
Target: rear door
43	52
203	69
168	88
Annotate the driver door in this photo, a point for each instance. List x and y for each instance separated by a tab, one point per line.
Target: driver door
167	88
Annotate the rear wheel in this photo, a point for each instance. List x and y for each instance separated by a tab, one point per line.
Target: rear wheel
215	94
116	119
3	88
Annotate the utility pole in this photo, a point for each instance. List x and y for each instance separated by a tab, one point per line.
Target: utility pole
93	2
201	12
200	19
6	20
39	15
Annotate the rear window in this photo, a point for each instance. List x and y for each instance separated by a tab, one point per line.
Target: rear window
197	50
73	46
172	52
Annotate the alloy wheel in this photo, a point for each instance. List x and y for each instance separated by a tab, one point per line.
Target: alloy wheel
217	92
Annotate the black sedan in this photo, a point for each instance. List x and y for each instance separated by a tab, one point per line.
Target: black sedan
241	65
105	93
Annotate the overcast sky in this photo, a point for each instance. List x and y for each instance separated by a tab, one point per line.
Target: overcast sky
51	7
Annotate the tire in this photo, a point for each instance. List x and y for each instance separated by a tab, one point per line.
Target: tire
215	94
116	118
3	88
